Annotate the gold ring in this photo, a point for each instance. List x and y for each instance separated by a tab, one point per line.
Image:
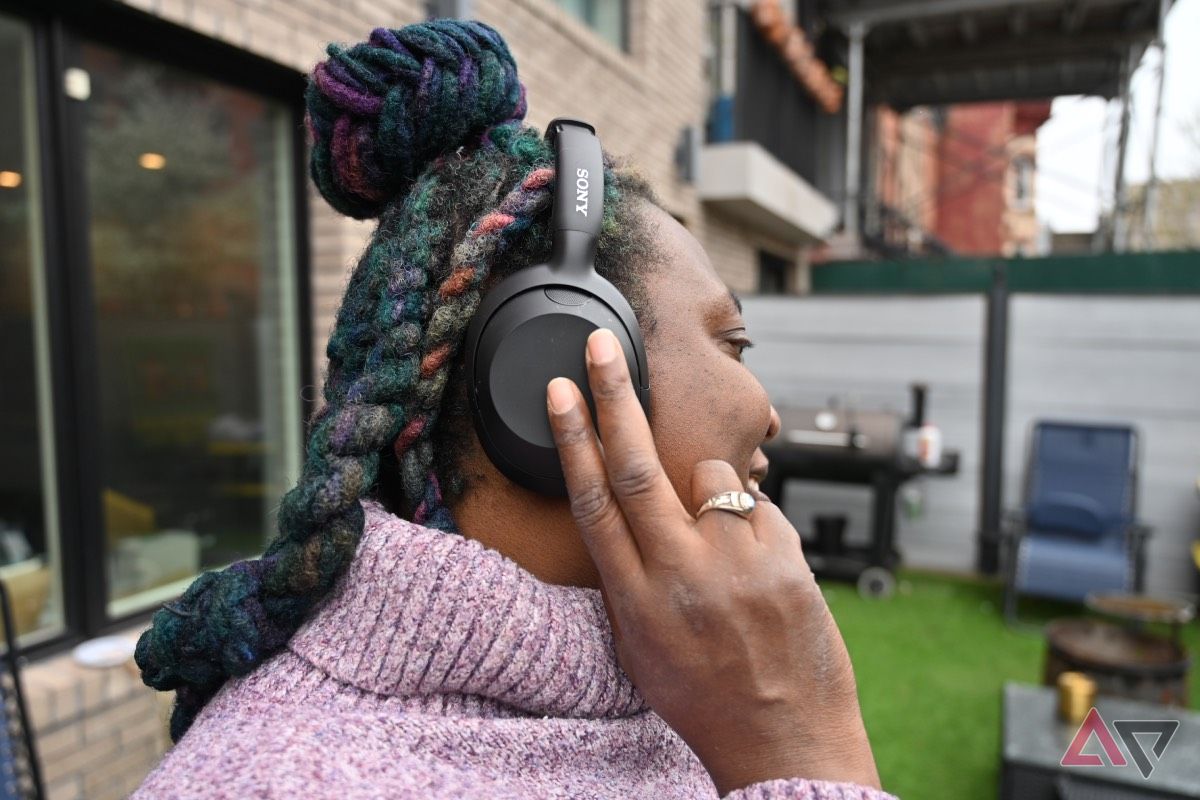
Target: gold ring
740	503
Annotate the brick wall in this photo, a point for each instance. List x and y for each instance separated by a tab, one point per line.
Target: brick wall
971	181
959	182
906	164
98	731
734	249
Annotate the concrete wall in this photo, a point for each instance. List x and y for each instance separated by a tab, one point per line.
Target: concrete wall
1078	358
868	351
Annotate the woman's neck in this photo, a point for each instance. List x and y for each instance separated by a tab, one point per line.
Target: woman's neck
536	532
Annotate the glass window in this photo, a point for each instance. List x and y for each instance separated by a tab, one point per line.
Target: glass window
1022	182
190	203
606	17
29	552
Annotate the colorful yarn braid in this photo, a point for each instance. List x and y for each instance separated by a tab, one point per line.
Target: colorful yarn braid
394	348
381	110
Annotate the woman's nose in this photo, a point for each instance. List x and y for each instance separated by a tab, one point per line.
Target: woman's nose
775	424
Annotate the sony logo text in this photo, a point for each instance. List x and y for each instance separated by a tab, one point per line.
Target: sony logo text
581	191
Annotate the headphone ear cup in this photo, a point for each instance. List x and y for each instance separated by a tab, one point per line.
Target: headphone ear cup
531	339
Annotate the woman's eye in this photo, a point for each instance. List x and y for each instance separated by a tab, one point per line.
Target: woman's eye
741	345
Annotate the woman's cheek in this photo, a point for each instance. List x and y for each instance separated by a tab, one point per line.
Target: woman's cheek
756	410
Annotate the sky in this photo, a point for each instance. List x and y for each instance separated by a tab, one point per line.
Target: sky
1073	174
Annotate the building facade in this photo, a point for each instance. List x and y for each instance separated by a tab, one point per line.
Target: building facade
170	277
957	179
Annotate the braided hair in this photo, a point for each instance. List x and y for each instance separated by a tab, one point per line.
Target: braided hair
420	127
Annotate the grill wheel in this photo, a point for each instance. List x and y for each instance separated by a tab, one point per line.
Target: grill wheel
876	583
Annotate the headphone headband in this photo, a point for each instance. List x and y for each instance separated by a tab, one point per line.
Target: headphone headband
578	194
579	165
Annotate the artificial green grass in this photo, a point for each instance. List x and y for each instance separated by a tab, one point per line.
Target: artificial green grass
930	663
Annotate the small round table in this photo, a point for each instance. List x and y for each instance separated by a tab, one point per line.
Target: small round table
1138	609
1123	660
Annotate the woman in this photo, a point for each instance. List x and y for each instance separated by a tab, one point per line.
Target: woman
423	627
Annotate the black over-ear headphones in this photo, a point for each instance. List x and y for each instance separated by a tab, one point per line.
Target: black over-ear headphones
533	325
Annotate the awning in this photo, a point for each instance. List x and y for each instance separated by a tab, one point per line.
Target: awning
920	52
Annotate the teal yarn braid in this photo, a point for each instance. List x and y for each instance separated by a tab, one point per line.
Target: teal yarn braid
421	126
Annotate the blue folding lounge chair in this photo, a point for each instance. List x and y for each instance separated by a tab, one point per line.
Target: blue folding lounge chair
1078	531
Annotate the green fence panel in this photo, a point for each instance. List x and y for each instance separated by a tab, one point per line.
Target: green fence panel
1113	273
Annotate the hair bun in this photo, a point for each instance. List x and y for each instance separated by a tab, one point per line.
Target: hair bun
380	111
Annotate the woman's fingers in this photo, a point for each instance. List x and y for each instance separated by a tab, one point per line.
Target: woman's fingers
635	474
774	530
603	527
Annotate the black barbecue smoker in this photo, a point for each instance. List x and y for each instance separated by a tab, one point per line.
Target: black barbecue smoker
852	446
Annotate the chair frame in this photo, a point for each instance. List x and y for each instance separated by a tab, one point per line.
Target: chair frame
11	660
1013	526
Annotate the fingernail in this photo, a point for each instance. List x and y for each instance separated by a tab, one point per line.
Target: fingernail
602	346
562	399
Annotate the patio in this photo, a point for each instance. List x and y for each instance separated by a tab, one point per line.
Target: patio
931	662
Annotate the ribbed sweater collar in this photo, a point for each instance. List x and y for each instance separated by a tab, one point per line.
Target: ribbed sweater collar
422	612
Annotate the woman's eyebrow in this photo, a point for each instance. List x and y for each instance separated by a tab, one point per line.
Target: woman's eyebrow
723	308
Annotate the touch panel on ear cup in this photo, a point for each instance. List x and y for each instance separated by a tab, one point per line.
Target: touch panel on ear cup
529	357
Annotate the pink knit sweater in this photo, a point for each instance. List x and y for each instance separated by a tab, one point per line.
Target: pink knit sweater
439	668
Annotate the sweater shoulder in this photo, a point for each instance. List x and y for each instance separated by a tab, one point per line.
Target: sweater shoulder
248	746
281	751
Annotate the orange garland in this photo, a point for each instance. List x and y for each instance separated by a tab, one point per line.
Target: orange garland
797	51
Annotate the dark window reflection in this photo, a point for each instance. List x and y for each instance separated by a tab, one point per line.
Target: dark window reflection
28	528
192	274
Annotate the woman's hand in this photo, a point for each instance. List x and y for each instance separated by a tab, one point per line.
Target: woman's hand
716	619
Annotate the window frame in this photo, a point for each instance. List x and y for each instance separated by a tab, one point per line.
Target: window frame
57	26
